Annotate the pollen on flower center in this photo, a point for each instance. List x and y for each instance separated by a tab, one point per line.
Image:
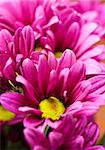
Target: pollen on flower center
58	54
51	108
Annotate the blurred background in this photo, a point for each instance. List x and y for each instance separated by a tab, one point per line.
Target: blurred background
100	119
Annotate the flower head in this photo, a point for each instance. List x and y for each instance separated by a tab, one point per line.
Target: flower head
52	88
71	134
13	50
76	34
19	13
93	11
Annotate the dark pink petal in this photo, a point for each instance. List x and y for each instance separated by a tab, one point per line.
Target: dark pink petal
16	40
5	37
19	58
49	40
35	138
56	140
52	84
32	121
70	17
30	91
98	84
96	148
40	148
97	99
63	76
92	39
77	143
30	110
67	60
71	36
80	125
76	74
88	108
73	108
69	123
24	40
35	56
30	72
19	24
43	73
52	124
81	91
12	101
52	21
52	61
28	35
40	19
91	134
80	108
9	70
5	24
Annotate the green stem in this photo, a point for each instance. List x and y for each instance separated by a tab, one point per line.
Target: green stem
46	129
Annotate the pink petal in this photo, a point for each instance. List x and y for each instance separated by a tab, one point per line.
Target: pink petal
43	73
32	121
92	67
30	92
52	60
92	39
35	138
27	109
52	21
76	74
9	69
12	101
86	30
81	91
30	72
98	84
56	140
71	36
67	60
92	52
52	84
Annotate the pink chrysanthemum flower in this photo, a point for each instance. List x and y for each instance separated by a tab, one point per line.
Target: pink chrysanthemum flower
59	26
52	88
18	13
13	50
71	134
93	11
74	33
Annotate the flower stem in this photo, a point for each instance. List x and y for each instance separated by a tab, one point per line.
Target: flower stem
46	130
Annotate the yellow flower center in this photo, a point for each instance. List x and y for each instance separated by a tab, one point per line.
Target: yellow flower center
58	54
38	49
5	115
51	108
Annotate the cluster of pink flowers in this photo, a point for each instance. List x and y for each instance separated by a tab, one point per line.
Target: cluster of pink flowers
52	71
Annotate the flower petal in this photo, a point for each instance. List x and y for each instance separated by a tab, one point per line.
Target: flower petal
12	101
35	138
76	74
67	60
32	121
